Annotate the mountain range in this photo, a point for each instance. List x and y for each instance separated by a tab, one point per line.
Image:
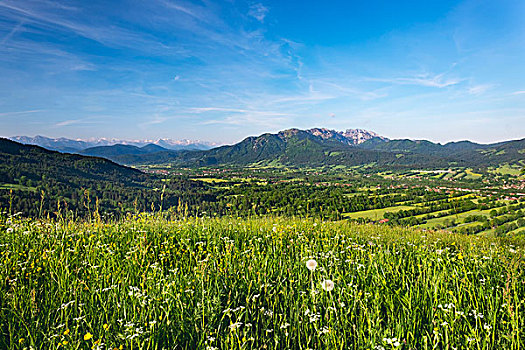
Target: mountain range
63	144
320	147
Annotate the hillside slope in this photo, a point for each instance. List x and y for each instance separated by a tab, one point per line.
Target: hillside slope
110	152
34	163
291	147
463	152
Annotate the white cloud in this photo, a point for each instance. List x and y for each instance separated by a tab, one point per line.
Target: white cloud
157	119
479	89
438	81
11	33
258	11
7	114
261	119
69	122
88	120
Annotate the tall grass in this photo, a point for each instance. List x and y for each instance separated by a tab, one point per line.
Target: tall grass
150	283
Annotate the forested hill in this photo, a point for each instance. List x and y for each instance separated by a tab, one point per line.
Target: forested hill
118	150
470	153
290	147
34	163
40	179
313	148
301	148
81	183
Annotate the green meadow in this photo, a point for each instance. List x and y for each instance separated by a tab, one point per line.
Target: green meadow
151	282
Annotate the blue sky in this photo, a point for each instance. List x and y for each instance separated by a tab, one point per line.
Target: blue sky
222	70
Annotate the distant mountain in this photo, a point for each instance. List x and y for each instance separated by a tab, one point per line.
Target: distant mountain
183	144
152	148
74	146
113	151
349	137
59	144
466	152
293	147
321	147
404	146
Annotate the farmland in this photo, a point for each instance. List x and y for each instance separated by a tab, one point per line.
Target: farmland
459	200
463	200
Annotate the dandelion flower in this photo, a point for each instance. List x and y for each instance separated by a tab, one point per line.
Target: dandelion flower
88	336
311	264
328	285
105	326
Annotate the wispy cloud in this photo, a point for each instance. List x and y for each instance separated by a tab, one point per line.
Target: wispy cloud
260	119
172	66
7	114
46	16
87	120
342	90
69	122
479	89
438	80
157	119
258	11
11	33
217	109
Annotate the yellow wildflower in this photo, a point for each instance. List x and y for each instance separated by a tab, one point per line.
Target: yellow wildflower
88	336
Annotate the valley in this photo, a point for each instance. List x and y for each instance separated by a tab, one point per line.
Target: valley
481	199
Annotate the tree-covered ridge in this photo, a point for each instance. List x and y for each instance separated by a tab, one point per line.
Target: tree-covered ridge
464	152
118	150
304	148
33	162
34	180
290	147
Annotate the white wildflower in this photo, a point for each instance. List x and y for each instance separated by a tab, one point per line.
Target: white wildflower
328	285
311	264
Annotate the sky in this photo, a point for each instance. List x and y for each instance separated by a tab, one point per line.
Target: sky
222	70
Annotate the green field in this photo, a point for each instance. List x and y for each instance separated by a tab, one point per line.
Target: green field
16	187
377	214
152	283
508	170
431	223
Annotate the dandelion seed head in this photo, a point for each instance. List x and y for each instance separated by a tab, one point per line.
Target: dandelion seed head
328	285
311	264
